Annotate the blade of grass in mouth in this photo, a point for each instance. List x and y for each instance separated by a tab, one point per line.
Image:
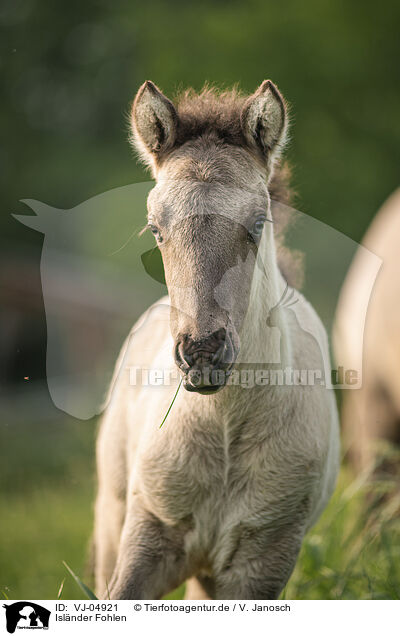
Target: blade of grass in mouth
170	406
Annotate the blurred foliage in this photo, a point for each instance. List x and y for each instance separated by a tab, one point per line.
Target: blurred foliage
69	73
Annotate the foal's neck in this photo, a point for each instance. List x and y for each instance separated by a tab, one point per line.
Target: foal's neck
259	342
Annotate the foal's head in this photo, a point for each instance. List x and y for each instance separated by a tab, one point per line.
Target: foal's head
212	157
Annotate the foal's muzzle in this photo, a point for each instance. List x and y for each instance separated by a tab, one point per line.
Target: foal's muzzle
205	363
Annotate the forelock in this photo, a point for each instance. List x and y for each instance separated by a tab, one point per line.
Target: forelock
210	112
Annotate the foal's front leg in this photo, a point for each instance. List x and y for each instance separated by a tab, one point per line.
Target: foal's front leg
151	560
261	565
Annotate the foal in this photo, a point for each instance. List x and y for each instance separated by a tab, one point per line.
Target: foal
224	492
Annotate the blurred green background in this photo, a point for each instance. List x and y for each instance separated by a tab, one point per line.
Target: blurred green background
69	72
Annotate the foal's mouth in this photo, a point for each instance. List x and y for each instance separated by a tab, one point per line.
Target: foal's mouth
206	380
206	363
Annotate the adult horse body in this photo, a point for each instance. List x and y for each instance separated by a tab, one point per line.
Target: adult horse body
372	412
224	492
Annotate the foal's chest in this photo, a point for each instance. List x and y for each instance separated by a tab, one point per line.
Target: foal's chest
207	473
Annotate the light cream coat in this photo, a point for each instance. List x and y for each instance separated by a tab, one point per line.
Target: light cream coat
224	492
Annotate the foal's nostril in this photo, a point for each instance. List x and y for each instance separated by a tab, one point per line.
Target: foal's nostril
200	352
218	354
182	359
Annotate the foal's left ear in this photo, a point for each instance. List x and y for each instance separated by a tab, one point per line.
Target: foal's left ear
154	123
264	121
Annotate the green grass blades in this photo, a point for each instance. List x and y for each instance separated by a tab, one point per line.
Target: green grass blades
46	502
354	550
85	589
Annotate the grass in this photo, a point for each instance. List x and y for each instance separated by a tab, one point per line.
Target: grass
354	550
46	494
46	501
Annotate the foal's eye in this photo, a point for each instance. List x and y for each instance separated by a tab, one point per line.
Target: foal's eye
258	226
256	231
156	233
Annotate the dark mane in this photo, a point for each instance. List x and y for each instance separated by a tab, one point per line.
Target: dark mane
210	111
217	114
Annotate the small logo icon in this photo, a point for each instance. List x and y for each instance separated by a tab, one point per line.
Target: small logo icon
26	615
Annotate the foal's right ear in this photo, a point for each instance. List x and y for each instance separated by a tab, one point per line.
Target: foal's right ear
264	121
154	123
